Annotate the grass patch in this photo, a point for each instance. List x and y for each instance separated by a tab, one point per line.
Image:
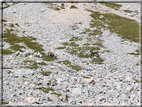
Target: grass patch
82	55
46	73
97	60
62	6
135	53
86	31
61	47
4	20
128	11
4	103
58	94
74	27
126	28
53	6
17	47
42	63
76	67
68	63
17	24
33	64
7	68
75	39
136	80
24	76
112	5
46	90
11	38
73	7
65	43
33	45
7	52
95	32
73	44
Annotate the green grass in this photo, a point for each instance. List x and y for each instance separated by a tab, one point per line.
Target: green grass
136	80
124	27
73	44
86	31
33	45
11	38
7	68
46	73
76	67
17	24
74	27
17	47
62	6
73	7
4	20
75	39
112	5
24	76
97	60
68	63
42	63
54	6
29	41
61	47
33	64
137	52
46	90
4	103
128	11
7	52
58	94
65	43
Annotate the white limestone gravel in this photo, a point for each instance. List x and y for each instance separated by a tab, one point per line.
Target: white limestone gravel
114	79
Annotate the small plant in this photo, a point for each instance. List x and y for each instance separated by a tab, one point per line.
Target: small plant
61	47
46	73
73	7
7	68
46	90
86	77
7	52
17	47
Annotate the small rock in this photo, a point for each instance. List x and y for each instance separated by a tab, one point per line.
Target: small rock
29	100
120	78
76	91
30	56
23	87
38	99
102	98
26	83
88	81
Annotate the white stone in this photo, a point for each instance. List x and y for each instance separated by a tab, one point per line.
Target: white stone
76	91
29	100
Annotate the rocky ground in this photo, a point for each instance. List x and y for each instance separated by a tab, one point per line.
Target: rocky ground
70	31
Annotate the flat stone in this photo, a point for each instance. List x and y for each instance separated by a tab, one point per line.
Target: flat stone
29	100
76	91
